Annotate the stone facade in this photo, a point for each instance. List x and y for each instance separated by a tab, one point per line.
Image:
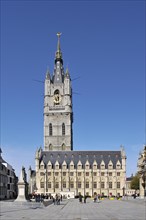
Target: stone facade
85	172
58	116
142	172
59	169
8	180
128	190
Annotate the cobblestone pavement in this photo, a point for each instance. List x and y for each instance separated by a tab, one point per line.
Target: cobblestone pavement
133	209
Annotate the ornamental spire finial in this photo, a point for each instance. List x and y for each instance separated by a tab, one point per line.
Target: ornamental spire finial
58	45
58	52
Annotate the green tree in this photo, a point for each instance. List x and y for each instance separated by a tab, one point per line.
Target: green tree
135	182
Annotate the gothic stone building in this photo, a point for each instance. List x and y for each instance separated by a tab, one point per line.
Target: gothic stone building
59	169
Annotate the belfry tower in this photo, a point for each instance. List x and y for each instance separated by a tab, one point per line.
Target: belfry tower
58	115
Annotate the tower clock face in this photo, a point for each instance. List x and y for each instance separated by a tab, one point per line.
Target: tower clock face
57	98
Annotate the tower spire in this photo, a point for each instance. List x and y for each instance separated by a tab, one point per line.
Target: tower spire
58	56
58	45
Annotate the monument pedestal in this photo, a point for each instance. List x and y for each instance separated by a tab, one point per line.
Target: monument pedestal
22	187
21	193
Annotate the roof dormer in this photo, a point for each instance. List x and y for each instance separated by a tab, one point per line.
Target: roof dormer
118	165
71	165
64	165
102	165
42	165
110	165
94	165
49	165
79	165
57	165
87	165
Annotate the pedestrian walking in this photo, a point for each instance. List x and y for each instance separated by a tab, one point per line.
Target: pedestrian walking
53	200
80	198
85	197
95	198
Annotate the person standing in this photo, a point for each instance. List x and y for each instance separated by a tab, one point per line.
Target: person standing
80	198
97	198
54	200
94	198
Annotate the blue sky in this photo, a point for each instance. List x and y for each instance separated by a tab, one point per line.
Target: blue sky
103	43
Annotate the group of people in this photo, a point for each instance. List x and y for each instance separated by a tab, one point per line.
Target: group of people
39	197
84	198
57	199
81	198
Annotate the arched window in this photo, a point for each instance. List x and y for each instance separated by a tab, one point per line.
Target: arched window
63	129
50	129
63	147
56	92
50	147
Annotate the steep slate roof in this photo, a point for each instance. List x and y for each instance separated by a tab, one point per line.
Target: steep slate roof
33	173
129	178
82	156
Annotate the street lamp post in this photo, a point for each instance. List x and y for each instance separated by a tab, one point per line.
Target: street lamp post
123	191
108	184
69	180
54	181
61	180
92	182
76	183
84	182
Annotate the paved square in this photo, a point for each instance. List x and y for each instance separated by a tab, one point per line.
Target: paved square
132	209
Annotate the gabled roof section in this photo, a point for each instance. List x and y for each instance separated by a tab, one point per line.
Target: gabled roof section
79	163
71	163
49	163
87	163
56	163
64	163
